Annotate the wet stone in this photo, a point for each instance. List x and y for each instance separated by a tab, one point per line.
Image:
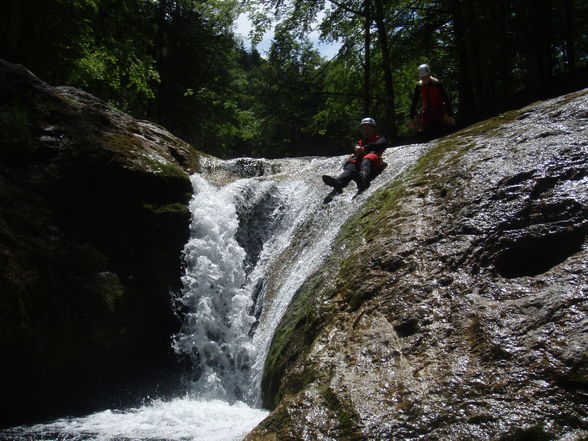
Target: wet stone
481	279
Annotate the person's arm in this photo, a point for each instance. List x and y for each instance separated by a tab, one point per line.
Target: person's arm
380	144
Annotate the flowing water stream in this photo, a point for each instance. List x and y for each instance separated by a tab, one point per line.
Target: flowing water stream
259	230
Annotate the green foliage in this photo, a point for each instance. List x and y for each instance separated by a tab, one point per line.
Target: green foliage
491	56
287	91
177	62
123	77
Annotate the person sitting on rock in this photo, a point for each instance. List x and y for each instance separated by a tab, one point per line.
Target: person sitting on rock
366	161
436	112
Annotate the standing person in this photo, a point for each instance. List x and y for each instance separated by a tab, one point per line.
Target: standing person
436	112
365	163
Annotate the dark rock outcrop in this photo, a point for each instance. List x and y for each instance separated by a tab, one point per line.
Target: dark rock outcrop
93	219
454	305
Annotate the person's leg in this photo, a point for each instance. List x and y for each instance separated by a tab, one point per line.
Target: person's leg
341	181
432	130
366	172
437	126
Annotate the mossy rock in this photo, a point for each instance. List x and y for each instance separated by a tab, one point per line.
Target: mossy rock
173	208
290	339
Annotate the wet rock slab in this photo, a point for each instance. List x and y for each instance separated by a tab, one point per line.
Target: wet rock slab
454	305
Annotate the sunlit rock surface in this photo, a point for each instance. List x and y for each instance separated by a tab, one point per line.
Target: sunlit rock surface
93	220
454	305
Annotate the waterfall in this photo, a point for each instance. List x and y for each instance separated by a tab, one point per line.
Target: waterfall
259	229
236	284
217	321
254	242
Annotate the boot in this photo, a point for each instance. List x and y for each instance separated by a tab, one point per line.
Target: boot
333	182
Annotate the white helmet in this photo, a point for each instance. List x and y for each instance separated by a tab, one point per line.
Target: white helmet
369	121
424	70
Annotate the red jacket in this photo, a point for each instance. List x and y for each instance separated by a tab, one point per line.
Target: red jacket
435	99
374	149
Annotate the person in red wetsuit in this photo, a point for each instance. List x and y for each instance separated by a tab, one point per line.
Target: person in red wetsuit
366	161
436	113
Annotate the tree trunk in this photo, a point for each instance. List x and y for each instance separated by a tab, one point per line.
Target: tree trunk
539	40
383	38
466	94
501	13
367	101
569	35
473	44
160	51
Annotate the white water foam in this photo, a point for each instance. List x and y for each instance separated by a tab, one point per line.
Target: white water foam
180	419
217	322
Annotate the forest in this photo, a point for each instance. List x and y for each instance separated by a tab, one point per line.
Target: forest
180	63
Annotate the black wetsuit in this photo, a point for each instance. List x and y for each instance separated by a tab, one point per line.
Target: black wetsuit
362	169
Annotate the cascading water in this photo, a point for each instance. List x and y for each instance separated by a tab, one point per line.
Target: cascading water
236	286
255	238
217	321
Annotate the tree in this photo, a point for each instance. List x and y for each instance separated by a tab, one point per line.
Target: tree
178	63
517	56
46	36
287	90
367	98
383	40
342	20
